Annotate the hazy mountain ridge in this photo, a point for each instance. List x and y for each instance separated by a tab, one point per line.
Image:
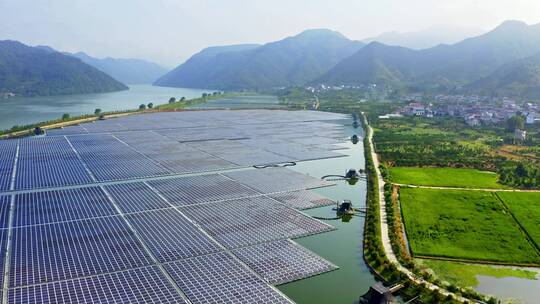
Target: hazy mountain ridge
34	71
291	61
125	70
445	67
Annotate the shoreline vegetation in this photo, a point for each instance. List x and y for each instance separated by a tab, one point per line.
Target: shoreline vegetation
173	105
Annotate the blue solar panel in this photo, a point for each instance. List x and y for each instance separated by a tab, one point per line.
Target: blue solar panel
141	285
171	236
5	202
219	278
3	250
109	159
135	197
8	150
253	220
48	162
201	188
46	253
61	205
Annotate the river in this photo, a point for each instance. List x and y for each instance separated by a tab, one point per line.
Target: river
28	110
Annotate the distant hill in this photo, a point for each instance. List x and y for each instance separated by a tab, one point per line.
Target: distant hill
35	71
292	61
129	71
518	78
426	38
446	67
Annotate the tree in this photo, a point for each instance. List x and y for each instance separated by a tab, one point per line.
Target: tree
65	116
172	100
204	95
515	122
150	105
142	106
183	98
97	111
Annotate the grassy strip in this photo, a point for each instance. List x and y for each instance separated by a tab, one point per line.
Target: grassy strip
465	274
446	177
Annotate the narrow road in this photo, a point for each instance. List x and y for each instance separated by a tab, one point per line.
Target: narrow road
385	236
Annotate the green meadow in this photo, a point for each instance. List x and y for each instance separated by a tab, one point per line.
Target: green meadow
525	206
445	177
463	224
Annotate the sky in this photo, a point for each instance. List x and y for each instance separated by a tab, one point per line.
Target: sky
169	31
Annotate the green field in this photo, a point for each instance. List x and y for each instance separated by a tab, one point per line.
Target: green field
525	206
465	275
463	224
445	177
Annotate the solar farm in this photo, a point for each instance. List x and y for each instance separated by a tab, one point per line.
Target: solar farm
167	207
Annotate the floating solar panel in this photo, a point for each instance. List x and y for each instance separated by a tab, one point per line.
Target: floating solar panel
141	285
171	236
189	190
135	197
5	202
8	151
283	261
302	199
110	159
271	180
67	131
46	253
48	162
249	221
61	205
219	278
3	245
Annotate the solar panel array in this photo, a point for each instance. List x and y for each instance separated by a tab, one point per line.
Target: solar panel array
254	220
140	285
302	199
283	261
106	212
272	180
208	279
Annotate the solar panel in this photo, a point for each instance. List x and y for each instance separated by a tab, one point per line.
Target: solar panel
5	202
170	236
135	197
271	180
8	151
201	188
54	252
249	221
302	199
48	162
283	261
219	278
141	285
109	159
61	205
3	251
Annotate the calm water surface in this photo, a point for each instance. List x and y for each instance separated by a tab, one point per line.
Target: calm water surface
27	110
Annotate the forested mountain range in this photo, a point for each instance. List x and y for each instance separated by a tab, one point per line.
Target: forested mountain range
36	71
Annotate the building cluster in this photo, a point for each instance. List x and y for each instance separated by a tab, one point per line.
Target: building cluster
475	111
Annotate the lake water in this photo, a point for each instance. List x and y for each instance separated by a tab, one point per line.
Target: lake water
27	110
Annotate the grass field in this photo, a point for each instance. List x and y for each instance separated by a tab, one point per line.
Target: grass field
464	275
464	225
526	208
449	177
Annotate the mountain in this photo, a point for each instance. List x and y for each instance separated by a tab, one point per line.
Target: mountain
291	61
518	78
426	38
440	67
35	71
130	71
